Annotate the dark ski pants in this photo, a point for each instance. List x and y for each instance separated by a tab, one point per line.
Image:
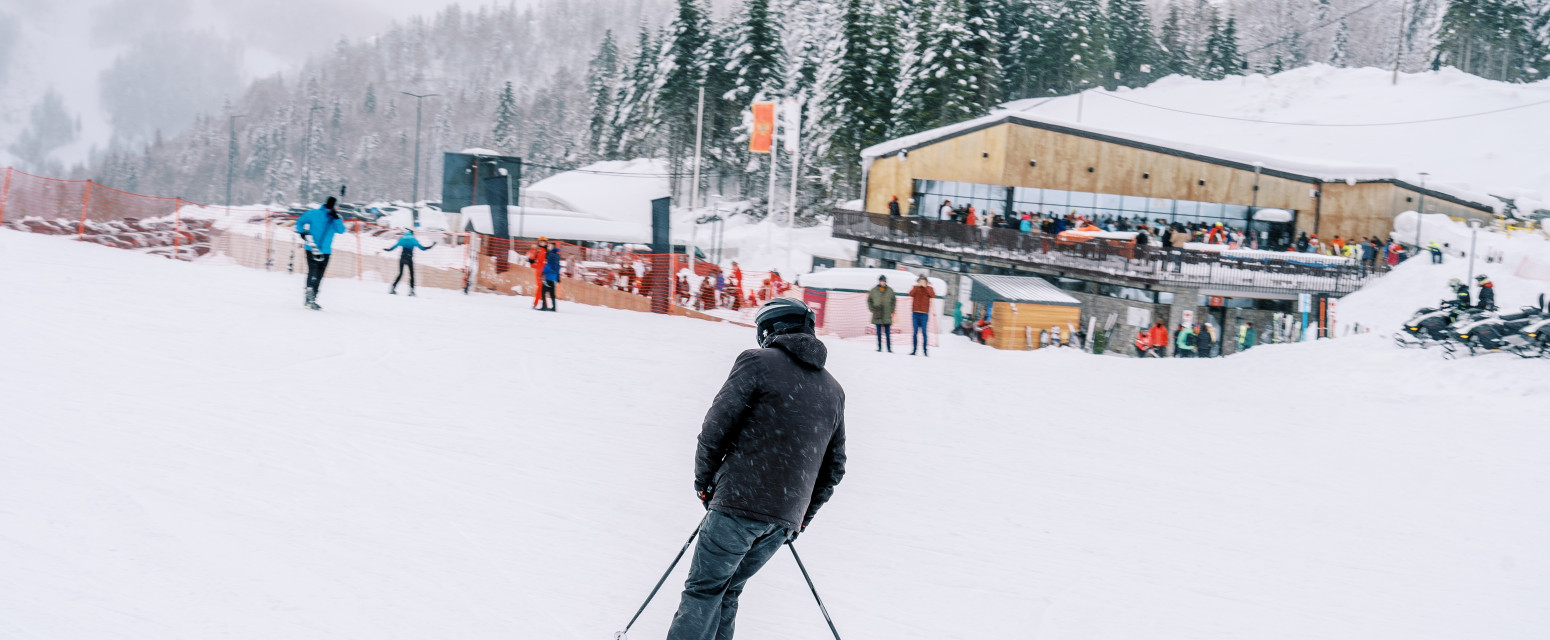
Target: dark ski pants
884	332
402	265
317	263
547	295
730	550
920	322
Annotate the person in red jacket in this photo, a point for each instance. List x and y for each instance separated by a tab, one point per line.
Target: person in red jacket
920	307
1159	340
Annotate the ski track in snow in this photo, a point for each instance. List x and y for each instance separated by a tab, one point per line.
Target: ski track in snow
189	454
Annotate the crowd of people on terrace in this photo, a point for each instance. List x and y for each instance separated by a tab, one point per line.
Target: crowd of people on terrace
1160	232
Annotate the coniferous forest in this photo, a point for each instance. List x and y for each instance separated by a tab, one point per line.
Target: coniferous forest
562	84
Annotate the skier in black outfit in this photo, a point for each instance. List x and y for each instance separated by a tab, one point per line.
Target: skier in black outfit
770	453
406	259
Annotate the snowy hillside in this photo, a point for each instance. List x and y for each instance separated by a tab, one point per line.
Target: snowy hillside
1500	153
188	454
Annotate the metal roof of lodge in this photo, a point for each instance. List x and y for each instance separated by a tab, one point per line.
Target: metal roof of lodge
1025	289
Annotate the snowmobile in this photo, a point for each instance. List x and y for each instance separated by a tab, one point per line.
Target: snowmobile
1430	325
1537	333
1492	332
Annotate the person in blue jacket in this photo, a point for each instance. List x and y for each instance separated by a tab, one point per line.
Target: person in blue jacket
318	228
551	277
406	259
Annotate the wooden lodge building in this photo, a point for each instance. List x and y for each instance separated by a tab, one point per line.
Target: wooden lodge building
1012	161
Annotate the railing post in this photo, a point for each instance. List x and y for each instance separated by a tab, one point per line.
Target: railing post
5	193
80	228
177	227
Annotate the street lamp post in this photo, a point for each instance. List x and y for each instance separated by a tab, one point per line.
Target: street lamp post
414	203
1420	210
231	154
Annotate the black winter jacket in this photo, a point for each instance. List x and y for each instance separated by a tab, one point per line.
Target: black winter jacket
773	443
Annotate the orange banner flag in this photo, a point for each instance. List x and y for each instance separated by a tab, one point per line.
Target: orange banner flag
763	127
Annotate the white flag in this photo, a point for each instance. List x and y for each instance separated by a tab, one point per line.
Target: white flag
791	120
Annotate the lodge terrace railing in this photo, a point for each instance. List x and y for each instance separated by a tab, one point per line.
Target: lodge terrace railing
1042	252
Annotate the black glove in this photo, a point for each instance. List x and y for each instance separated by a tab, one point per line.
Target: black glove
705	495
791	534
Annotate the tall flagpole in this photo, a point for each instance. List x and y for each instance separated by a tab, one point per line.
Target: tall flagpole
794	139
769	229
694	190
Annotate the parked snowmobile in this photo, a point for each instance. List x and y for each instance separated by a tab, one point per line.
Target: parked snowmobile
1430	325
1492	332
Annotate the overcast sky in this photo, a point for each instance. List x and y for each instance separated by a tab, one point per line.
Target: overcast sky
66	44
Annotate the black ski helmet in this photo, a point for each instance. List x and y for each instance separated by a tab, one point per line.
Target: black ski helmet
782	315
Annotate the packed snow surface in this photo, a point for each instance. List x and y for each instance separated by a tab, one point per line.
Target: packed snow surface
1264	119
189	454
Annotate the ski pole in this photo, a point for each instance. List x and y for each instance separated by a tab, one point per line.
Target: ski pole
620	635
810	586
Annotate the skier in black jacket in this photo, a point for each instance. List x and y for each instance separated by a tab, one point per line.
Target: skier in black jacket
770	453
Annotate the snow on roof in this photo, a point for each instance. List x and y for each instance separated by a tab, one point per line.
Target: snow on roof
477	151
1466	156
616	190
862	279
533	222
1025	289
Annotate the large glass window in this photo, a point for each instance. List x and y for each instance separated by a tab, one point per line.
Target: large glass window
931	194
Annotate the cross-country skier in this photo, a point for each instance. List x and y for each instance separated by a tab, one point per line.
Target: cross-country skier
318	228
770	453
408	243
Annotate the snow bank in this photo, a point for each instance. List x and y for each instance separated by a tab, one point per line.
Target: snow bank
187	454
865	279
1385	303
615	190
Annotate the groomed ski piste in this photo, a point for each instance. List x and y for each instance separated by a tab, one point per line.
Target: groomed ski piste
187	453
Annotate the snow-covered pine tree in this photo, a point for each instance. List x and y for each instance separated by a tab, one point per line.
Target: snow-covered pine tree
945	88
983	45
635	130
504	135
755	54
1222	57
602	88
1031	40
1082	46
861	105
1338	49
1175	54
1135	48
369	106
684	72
1491	38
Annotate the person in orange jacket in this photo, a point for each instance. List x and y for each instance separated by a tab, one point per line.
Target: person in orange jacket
1159	339
535	258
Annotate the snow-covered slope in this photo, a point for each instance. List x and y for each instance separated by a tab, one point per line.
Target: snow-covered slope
188	454
1499	153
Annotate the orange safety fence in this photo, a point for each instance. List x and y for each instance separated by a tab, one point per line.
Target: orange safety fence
264	237
257	236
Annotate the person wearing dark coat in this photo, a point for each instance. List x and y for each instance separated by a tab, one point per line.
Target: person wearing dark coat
769	454
551	278
893	206
1486	298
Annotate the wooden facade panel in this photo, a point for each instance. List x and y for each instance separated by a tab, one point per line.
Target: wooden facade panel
1062	160
1008	324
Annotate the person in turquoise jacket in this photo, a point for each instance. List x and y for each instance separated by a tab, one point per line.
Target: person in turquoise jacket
408	243
318	228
